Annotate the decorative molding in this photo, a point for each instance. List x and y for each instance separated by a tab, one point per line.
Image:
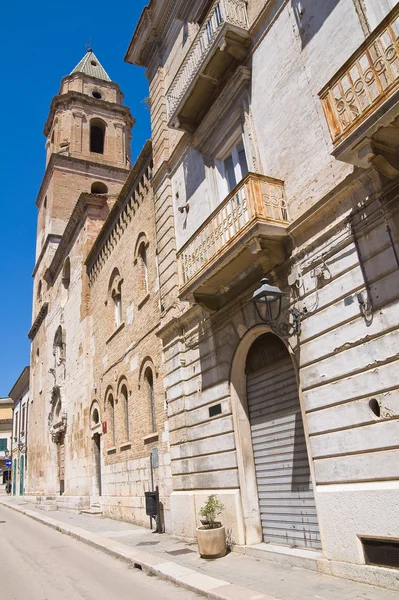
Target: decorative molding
84	202
115	333
129	200
61	102
50	238
38	321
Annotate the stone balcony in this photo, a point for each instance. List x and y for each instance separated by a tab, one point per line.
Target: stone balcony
218	48
240	241
361	101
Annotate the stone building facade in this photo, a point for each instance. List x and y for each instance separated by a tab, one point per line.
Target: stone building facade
96	309
275	152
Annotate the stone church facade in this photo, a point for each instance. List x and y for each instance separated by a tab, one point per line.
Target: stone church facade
97	402
273	153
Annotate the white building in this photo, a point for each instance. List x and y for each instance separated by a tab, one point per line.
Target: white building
20	396
5	440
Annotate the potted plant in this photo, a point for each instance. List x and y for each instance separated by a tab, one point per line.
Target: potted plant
211	535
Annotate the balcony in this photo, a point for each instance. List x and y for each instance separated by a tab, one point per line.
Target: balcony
361	101
218	48
242	239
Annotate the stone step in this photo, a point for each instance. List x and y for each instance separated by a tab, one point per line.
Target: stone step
91	511
294	557
47	507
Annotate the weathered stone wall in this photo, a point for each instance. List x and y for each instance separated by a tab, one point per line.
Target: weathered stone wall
123	354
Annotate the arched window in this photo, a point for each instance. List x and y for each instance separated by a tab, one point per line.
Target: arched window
66	272
149	379
125	408
111	407
98	187
143	266
115	290
59	347
117	299
97	136
39	291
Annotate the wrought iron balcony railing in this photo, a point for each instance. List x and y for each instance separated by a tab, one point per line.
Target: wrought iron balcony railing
256	199
222	13
365	81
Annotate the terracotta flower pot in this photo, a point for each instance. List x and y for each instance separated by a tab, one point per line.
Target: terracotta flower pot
211	542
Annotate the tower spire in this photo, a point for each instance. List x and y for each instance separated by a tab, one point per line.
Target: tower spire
90	65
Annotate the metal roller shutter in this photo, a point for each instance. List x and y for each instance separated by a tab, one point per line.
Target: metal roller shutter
286	498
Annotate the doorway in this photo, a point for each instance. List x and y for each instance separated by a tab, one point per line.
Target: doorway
97	461
283	478
61	465
21	474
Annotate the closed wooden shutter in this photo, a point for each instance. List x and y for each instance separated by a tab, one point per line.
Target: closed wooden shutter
286	498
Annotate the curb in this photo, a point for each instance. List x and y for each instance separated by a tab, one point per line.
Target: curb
150	564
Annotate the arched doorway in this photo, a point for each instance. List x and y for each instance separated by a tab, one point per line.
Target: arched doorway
281	464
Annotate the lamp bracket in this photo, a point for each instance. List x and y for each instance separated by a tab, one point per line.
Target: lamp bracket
288	329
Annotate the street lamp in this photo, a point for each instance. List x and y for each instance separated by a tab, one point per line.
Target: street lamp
268	301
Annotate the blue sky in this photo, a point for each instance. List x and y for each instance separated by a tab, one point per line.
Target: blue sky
40	42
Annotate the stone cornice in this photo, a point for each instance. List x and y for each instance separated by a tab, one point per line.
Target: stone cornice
224	105
38	321
60	160
150	25
52	237
134	176
71	96
84	202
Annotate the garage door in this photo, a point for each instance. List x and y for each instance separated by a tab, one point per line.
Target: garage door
286	498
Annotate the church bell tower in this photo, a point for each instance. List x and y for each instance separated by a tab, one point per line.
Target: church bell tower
88	134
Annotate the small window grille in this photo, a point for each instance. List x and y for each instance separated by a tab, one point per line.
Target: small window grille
382	553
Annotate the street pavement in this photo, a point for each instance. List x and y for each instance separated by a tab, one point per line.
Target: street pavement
233	577
39	563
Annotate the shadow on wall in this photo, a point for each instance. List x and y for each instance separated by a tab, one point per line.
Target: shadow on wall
194	172
310	16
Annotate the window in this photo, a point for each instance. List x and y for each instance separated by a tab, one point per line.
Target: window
59	347
23	420
16	419
66	273
117	299
125	404
3	445
97	136
150	390
144	266
111	406
95	417
235	166
115	292
98	187
39	291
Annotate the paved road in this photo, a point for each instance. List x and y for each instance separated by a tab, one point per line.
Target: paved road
38	563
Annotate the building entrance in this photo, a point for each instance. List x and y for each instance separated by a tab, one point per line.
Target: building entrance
285	493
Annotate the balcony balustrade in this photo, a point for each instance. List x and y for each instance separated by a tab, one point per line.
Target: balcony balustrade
219	45
360	96
231	241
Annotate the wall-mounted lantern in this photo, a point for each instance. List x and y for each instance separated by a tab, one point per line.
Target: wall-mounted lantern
268	301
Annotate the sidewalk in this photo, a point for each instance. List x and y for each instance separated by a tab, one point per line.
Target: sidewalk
234	577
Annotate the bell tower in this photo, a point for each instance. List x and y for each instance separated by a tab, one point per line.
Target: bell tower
88	134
